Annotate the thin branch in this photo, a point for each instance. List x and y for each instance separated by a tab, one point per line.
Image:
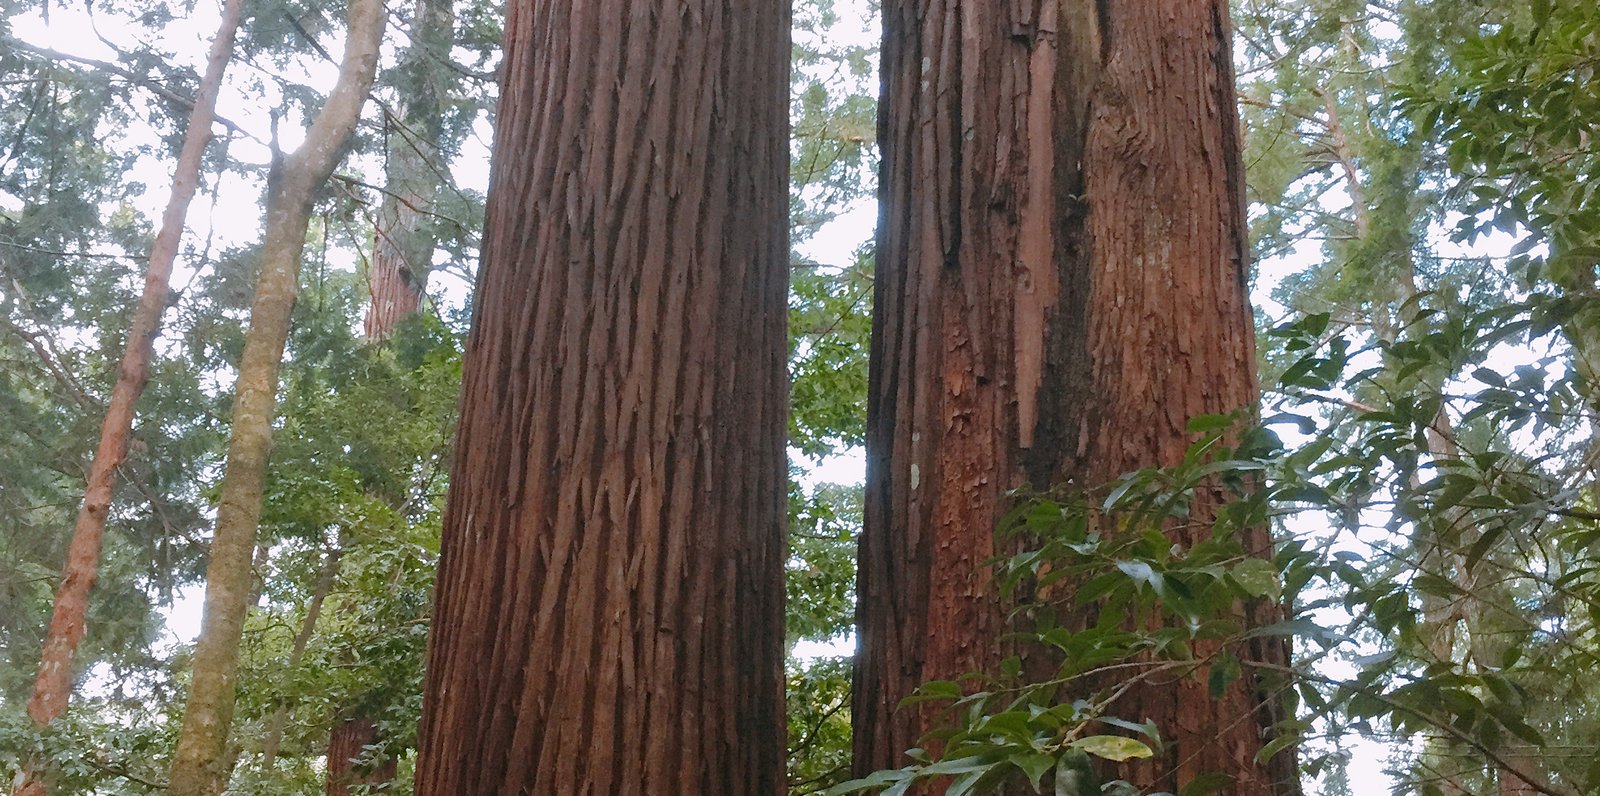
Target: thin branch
1446	727
105	66
50	359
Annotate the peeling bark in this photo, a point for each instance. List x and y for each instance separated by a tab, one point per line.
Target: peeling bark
68	622
200	763
1061	263
609	608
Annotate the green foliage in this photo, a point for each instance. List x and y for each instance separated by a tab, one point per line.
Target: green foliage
1434	498
1418	114
833	152
1518	119
1168	610
830	326
833	113
819	724
102	748
823	526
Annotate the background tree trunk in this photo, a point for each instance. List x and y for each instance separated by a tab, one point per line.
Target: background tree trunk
68	621
297	649
402	253
198	767
609	610
404	242
1060	289
349	739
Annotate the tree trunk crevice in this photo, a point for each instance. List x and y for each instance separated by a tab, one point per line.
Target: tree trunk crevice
1061	287
609	609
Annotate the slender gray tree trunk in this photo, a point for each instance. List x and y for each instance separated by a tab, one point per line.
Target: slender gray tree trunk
200	764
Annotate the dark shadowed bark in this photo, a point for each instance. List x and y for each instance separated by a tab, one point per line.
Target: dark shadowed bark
68	621
609	610
200	766
1061	287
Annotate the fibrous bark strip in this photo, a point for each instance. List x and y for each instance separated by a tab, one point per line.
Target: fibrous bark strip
1060	289
609	609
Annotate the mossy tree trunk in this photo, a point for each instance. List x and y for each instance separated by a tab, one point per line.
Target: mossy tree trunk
200	765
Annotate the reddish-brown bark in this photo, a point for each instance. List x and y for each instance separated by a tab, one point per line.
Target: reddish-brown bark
68	621
403	244
609	609
395	280
1061	287
349	739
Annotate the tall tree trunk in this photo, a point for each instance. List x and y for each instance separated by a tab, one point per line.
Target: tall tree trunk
198	766
68	622
404	242
1391	320
1061	287
402	253
1448	623
350	738
609	610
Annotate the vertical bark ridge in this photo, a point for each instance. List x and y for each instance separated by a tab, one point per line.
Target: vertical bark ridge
966	282
1060	289
1168	333
609	608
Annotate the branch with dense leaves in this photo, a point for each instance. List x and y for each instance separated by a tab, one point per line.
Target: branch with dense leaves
185	102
